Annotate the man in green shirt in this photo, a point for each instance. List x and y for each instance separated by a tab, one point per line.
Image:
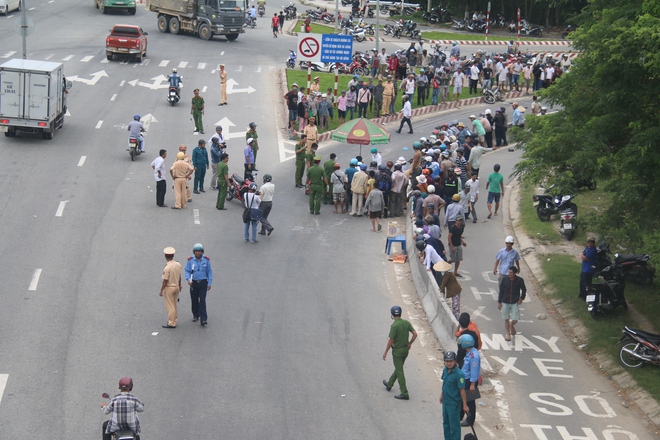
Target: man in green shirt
223	181
309	160
451	397
398	342
301	147
197	110
495	188
252	133
329	168
317	182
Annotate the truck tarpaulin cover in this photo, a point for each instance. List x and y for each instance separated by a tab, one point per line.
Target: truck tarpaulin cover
182	6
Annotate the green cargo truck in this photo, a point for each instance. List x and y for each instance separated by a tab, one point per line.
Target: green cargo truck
104	5
205	18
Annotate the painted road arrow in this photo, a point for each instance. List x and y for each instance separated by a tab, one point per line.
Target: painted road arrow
225	123
230	88
90	82
157	83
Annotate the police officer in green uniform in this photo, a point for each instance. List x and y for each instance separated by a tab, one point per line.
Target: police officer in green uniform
329	168
300	160
252	133
451	397
309	160
398	342
317	182
223	181
197	110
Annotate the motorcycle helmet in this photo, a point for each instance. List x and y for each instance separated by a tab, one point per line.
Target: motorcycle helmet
417	145
267	177
467	341
419	231
422	139
450	356
382	167
395	311
198	247
363	166
420	245
253	125
355	76
126	383
374	150
373	164
252	187
136	117
174	70
397	167
354	161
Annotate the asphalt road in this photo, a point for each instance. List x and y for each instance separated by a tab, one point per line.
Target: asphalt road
297	323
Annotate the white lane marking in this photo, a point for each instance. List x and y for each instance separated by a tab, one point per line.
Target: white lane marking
144	62
124	62
204	89
113	97
8	54
35	281
49	56
164	63
259	69
201	66
196	216
3	384
98	125
105	61
183	64
67	58
60	209
81	162
222	53
121	84
32	9
240	68
503	408
86	59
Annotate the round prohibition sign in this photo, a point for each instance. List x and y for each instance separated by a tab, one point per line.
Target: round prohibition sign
309	46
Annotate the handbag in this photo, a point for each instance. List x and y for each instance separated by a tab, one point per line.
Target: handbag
247	212
345	184
256	214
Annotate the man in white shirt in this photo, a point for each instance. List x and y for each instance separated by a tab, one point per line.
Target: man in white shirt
407	113
158	166
266	193
408	86
382	64
474	77
457	82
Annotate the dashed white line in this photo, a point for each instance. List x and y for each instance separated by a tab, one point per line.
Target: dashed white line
144	62
183	64
86	59
67	58
81	162
98	124
240	68
164	63
222	53
258	69
60	209
35	279
8	54
204	89
49	56
196	216
201	66
32	9
113	97
105	61
121	84
3	384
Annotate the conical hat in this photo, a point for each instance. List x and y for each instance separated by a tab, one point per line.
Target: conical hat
441	266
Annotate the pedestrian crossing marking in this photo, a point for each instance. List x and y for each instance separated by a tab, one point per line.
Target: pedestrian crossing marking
8	54
164	63
3	384
201	66
86	59
67	58
183	64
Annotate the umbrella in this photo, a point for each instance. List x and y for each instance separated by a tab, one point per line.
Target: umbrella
361	131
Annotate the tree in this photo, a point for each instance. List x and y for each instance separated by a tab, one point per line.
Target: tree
609	125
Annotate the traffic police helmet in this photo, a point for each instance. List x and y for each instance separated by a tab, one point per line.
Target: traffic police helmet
198	247
467	341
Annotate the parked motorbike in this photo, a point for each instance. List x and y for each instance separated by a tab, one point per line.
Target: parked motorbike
291	61
567	220
290	12
317	66
547	205
567	32
605	297
635	267
640	348
239	186
122	434
459	25
493	94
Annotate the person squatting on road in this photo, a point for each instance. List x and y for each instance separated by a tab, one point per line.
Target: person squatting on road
400	345
200	277
512	294
171	286
452	397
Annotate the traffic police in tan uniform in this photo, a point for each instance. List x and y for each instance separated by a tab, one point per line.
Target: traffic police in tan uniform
171	286
180	171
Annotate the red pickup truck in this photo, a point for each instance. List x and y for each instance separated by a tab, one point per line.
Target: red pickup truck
126	39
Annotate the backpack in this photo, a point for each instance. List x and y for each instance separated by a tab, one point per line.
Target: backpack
384	183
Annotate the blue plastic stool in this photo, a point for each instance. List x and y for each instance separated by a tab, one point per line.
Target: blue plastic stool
398	239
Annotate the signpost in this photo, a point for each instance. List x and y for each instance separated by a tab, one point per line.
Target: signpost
326	48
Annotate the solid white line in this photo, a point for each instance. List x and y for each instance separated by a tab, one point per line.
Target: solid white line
86	59
32	9
121	84
204	89
8	54
67	58
196	216
81	162
113	97
98	125
183	64
60	209
35	279
3	384
49	56
164	63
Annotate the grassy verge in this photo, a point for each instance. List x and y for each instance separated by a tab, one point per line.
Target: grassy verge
544	232
439	35
602	333
317	28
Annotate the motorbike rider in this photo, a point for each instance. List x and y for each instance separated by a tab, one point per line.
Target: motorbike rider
175	81
124	408
136	128
252	14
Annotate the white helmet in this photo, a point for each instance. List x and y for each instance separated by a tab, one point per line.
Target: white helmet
509	239
174	70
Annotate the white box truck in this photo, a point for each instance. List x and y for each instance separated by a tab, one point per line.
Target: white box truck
32	97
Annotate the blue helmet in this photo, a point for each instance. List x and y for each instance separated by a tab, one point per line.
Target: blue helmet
467	341
354	161
363	166
198	247
136	117
395	311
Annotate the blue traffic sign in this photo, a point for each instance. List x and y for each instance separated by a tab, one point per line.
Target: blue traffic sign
336	48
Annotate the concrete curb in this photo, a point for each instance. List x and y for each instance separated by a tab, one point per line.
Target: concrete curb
438	313
501	42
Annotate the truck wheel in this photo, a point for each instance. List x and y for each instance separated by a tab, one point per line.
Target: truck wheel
163	24
175	26
231	37
205	32
132	11
47	135
108	55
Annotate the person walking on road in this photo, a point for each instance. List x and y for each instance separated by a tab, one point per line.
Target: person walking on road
452	397
223	84
197	111
200	277
252	134
512	294
375	205
275	23
252	201
200	159
495	188
407	114
456	244
266	193
223	181
171	286
588	260
505	258
472	371
400	345
248	160
317	181
180	172
158	165
216	151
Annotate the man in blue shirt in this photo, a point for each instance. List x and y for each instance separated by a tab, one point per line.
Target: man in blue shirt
452	397
200	277
588	259
350	172
471	370
200	160
248	159
175	81
505	258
